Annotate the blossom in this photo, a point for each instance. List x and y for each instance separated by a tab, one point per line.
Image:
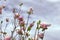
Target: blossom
20	18
44	26
20	32
7	38
41	35
30	11
30	26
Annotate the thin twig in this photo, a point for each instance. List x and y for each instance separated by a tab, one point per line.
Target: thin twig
26	25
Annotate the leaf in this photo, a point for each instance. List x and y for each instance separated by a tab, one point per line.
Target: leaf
29	13
29	38
29	28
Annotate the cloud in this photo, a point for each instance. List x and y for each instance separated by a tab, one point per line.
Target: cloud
53	0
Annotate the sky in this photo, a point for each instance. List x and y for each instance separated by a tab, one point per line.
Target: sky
45	10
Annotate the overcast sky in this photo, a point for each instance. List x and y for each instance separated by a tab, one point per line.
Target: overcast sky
45	10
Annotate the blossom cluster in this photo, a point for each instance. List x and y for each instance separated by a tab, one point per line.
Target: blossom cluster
24	28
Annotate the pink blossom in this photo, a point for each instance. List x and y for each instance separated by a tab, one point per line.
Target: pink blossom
20	18
32	24
7	38
30	11
44	26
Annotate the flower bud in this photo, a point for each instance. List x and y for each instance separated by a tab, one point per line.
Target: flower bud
20	32
30	11
7	19
27	34
3	6
17	15
0	9
32	24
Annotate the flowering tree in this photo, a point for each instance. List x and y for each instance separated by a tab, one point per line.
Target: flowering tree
24	28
